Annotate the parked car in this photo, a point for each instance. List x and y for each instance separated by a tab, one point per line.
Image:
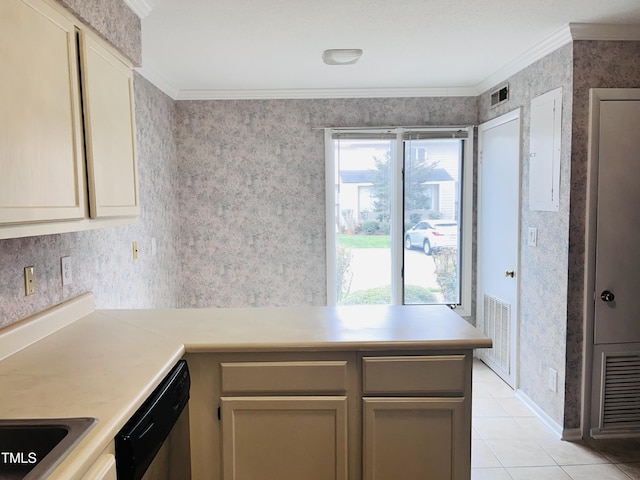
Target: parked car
431	235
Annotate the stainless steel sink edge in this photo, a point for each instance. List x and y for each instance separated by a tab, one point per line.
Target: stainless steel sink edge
77	428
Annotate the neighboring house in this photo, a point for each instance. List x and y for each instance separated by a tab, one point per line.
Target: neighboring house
357	200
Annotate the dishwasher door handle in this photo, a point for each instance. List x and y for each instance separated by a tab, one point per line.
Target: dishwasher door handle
146	430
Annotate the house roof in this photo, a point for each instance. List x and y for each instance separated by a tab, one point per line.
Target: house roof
364	176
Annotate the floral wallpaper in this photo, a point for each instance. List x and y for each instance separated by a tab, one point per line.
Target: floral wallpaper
252	197
114	20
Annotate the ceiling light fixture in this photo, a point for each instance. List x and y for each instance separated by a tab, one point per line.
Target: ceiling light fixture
341	56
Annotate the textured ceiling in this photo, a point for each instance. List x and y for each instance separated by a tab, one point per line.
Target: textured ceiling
273	49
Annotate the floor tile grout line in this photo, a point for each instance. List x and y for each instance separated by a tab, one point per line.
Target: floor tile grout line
487	379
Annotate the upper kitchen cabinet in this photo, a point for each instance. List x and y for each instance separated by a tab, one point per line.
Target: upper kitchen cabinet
107	94
41	157
67	126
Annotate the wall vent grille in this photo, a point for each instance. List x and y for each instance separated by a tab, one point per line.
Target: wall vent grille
621	404
499	96
497	326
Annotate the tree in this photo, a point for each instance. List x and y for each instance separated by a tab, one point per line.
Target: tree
416	173
380	177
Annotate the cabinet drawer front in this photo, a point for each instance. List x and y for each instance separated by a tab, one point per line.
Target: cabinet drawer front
414	375
284	377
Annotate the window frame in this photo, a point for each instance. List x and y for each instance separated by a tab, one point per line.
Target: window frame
397	219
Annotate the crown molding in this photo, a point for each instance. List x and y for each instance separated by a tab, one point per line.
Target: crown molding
604	32
153	76
141	8
567	34
158	80
544	48
318	93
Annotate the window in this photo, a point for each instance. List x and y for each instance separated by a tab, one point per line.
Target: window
399	216
365	205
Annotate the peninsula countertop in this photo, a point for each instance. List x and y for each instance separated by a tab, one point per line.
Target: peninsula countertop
369	327
74	361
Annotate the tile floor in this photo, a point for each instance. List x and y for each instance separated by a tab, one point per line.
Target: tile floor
510	443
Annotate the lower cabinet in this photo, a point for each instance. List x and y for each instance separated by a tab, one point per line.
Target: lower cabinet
416	417
414	439
284	438
331	415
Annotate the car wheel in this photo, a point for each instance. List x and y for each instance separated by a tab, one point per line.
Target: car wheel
427	247
407	243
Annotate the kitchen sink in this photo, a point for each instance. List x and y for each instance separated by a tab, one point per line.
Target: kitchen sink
31	448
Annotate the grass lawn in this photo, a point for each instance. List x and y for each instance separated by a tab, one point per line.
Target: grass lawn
413	295
364	241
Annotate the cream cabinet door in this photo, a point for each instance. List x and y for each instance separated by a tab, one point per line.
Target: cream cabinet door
415	439
284	438
41	161
109	123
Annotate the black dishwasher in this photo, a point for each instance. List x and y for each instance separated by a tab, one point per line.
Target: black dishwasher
142	436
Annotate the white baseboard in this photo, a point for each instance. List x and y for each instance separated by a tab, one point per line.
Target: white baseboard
542	416
572	434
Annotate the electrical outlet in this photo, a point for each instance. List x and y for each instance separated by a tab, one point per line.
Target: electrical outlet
532	237
67	271
553	380
29	281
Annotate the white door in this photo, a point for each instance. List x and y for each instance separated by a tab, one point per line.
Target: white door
498	235
618	224
614	273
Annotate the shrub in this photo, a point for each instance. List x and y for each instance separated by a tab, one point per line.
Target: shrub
344	275
370	227
446	262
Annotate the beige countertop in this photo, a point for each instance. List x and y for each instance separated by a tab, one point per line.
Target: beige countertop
104	363
300	328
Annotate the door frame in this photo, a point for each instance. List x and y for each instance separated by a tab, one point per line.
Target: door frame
596	95
513	377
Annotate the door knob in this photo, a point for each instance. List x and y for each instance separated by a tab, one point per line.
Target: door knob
510	273
607	296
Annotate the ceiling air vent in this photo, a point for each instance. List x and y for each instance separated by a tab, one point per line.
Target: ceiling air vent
500	96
